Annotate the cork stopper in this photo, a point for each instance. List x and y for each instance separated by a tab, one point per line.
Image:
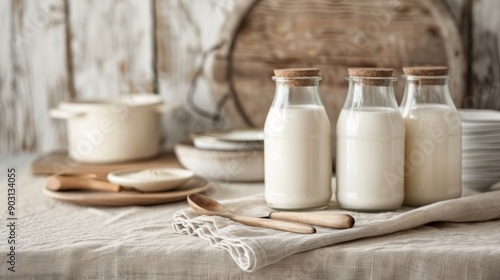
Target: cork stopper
298	76
371	73
427	72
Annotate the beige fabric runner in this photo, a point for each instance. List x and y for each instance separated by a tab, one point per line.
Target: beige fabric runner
253	248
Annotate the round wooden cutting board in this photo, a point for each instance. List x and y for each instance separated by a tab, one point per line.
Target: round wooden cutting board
262	35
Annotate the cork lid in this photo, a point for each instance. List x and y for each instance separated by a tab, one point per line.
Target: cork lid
425	74
371	74
296	72
426	70
297	77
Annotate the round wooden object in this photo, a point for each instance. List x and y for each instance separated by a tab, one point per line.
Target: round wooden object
264	35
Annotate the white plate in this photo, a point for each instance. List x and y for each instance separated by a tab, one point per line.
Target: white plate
490	173
209	144
230	140
479	140
481	133
490	165
480	157
487	164
481	147
151	180
482	167
480	129
473	175
474	116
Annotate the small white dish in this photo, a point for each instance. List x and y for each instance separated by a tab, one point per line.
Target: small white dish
249	139
151	180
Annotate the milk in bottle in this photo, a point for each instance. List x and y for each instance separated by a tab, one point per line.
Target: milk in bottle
433	154
297	147
370	143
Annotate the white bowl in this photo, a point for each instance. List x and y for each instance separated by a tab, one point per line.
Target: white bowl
151	180
235	166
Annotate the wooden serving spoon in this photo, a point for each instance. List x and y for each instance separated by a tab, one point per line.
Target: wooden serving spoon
207	206
80	181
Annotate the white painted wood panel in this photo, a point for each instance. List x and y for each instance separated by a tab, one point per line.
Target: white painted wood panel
111	44
39	75
9	137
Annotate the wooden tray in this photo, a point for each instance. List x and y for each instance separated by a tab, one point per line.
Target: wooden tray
59	161
128	198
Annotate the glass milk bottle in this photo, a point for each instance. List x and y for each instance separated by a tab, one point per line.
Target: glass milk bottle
370	143
297	143
433	137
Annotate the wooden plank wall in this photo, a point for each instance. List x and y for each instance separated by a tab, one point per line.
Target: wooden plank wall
111	47
37	78
55	50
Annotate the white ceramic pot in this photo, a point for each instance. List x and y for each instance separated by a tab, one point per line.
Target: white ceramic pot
124	129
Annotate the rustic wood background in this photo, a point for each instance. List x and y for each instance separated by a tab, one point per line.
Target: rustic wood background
55	50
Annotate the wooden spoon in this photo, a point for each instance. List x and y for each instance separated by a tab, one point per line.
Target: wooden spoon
80	182
331	220
207	206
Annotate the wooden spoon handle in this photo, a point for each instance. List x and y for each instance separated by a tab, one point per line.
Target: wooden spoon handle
78	174
332	220
273	224
63	183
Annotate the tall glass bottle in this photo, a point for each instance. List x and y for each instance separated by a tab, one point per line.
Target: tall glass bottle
297	143
370	143
433	137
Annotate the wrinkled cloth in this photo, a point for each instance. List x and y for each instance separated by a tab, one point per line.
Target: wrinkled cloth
253	248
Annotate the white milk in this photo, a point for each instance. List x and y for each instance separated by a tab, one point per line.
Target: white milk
370	159
298	158
433	154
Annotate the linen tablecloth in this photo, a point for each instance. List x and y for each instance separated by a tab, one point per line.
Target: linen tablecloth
253	248
58	240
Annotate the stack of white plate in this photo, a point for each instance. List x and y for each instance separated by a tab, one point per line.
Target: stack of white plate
480	148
